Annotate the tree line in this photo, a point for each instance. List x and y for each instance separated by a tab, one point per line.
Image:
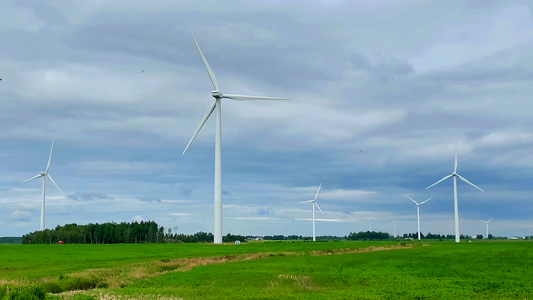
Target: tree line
105	233
368	235
10	240
114	233
432	236
201	237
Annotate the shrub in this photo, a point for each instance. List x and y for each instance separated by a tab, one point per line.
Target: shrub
22	295
3	291
79	283
102	285
27	293
52	287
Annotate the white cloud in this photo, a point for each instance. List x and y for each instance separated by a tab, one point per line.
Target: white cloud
505	138
346	195
19	215
477	38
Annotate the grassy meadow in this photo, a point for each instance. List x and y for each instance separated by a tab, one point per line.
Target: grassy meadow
275	270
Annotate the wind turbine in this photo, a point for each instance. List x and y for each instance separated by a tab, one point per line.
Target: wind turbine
394	222
314	203
45	175
218	95
418	211
455	203
369	228
487	226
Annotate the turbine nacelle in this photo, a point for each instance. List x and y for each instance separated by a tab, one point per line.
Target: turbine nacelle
217	94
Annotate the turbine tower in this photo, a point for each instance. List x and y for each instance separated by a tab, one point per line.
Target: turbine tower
455	203
314	203
218	95
45	175
418	211
394	222
487	226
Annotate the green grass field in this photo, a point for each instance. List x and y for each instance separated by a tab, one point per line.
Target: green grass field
326	270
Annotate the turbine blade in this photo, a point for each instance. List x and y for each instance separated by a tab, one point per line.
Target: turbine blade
465	180
49	158
206	116
425	201
209	71
455	166
439	181
246	97
48	175
316	195
490	219
411	199
308	201
34	177
319	209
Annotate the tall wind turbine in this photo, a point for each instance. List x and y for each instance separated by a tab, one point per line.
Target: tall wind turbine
218	95
394	221
45	175
418	211
487	226
455	203
314	203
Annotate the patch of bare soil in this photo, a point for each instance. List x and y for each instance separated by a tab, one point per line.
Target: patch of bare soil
362	250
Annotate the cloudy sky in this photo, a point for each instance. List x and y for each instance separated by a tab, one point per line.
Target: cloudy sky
381	92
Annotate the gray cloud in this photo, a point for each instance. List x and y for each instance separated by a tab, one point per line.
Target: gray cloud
380	94
265	211
89	196
149	199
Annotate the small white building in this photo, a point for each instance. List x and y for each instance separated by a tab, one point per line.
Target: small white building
237	242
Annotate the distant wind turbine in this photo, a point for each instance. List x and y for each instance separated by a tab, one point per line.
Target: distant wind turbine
394	222
314	203
418	211
45	175
487	226
455	203
369	227
218	95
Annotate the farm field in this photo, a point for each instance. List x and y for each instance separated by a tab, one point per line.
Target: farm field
345	270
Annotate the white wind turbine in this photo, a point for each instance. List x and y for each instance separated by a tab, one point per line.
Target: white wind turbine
314	203
487	226
418	211
45	175
455	203
369	227
394	222
218	95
